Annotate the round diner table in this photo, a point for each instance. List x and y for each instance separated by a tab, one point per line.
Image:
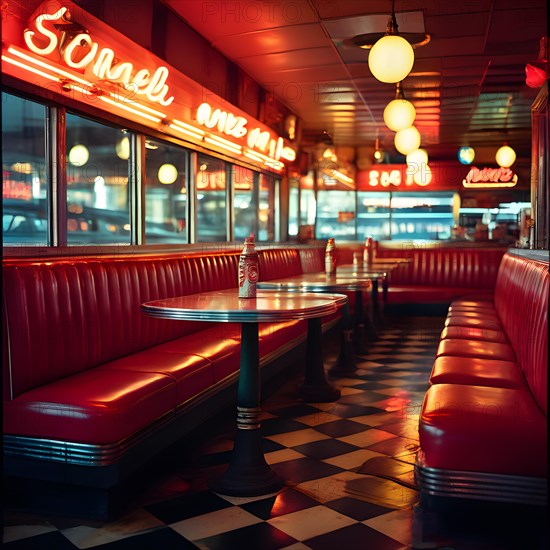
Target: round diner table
248	473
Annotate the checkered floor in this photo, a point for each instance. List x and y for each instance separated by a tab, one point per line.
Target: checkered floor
348	468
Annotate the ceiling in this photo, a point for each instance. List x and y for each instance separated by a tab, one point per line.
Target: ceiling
467	84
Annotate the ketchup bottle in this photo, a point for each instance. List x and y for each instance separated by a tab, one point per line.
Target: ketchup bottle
330	257
248	269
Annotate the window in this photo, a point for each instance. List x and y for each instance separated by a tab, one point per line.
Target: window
373	215
24	175
98	162
266	208
165	193
245	202
211	199
335	214
422	215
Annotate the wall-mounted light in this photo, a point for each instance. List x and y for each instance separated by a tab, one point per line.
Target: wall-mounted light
378	153
408	140
79	155
167	174
505	156
399	113
466	155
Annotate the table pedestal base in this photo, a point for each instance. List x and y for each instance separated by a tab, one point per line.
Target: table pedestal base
249	474
345	364
315	388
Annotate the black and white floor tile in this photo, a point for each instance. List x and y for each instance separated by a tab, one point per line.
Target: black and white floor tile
348	468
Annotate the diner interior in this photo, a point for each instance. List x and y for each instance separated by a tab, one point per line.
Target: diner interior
269	283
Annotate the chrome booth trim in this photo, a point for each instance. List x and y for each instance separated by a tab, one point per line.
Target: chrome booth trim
479	485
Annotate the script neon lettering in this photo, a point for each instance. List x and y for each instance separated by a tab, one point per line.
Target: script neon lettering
487	175
225	123
87	59
258	139
28	34
103	63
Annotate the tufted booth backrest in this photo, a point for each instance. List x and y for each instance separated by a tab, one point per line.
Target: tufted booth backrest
313	259
276	263
474	268
65	316
521	301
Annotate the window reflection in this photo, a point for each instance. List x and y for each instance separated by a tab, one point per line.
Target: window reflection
266	208
165	193
211	199
98	162
24	179
245	202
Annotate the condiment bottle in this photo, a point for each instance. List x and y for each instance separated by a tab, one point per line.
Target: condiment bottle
248	269
368	251
330	257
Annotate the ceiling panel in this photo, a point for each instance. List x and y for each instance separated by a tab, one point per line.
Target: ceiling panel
460	83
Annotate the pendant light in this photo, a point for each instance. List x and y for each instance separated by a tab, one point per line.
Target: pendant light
416	160
466	155
506	156
392	57
399	113
407	140
78	155
167	174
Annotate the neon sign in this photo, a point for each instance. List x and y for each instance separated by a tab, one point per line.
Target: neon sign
57	53
489	178
231	125
81	52
397	177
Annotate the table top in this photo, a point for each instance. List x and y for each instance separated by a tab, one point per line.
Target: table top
321	282
364	270
226	306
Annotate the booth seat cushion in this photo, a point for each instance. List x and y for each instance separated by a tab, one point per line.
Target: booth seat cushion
475	348
477	372
476	314
191	373
421	294
455	332
483	429
490	323
482	307
97	406
478	298
220	344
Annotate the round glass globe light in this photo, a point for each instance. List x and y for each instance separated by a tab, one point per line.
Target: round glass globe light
423	176
505	156
466	155
416	161
168	174
79	155
399	114
408	140
123	148
391	59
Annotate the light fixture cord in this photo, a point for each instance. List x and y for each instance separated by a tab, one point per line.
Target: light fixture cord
392	28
